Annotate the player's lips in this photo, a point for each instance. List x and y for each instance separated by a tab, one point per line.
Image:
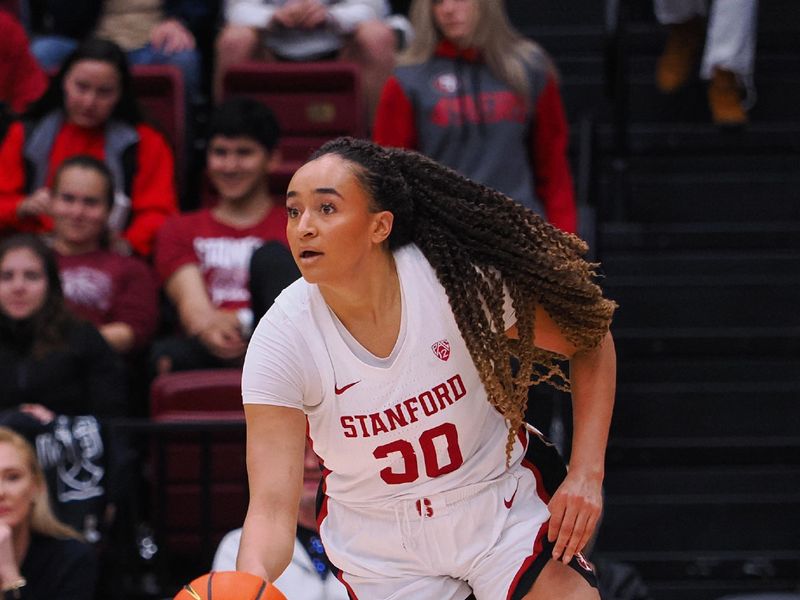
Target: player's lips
308	255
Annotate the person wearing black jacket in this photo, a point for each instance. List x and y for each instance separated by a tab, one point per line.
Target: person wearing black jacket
50	362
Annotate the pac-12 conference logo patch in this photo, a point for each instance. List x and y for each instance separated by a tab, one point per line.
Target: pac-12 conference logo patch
441	349
446	83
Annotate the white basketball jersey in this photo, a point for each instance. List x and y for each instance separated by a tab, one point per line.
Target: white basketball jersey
416	425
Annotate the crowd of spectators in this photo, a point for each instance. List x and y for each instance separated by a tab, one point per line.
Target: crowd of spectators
104	282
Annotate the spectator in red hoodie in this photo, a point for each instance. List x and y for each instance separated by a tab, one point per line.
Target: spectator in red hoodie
89	108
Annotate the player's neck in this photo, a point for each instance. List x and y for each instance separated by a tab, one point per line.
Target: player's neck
371	293
370	306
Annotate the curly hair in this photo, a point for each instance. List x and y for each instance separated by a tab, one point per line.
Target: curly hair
482	246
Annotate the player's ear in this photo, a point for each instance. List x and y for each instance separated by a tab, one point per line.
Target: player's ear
382	222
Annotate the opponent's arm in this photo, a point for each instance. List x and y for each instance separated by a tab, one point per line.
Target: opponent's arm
275	447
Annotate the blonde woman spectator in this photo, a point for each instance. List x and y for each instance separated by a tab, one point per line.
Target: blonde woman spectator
40	557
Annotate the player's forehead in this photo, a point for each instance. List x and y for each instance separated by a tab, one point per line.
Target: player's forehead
328	173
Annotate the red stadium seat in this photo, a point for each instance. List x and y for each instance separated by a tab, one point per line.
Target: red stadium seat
212	394
160	92
313	102
189	523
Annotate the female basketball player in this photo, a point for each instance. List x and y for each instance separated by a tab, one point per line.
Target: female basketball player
393	354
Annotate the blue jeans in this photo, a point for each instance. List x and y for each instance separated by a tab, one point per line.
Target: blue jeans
188	61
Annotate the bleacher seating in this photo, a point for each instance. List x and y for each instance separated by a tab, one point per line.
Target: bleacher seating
313	102
189	523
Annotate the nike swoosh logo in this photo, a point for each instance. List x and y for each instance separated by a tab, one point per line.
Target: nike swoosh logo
509	502
342	390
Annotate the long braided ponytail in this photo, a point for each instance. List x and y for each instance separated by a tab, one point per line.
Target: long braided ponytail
483	245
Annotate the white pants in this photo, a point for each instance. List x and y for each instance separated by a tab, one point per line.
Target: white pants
731	38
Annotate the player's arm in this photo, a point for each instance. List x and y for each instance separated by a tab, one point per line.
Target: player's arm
275	447
576	506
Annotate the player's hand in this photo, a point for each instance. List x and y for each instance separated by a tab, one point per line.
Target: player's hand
575	509
38	203
222	336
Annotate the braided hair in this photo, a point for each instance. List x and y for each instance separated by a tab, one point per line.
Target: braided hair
482	246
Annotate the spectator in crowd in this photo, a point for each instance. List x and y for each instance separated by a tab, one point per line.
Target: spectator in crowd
308	576
203	258
116	293
50	362
152	32
305	30
40	557
475	95
728	57
89	108
21	79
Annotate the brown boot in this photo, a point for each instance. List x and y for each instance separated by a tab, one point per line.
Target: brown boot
680	54
725	99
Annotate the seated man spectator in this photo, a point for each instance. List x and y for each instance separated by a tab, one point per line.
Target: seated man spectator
306	30
203	258
21	79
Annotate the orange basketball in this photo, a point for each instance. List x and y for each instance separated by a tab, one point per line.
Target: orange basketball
229	585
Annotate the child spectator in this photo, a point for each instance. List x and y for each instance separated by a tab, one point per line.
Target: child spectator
118	294
475	95
203	258
89	108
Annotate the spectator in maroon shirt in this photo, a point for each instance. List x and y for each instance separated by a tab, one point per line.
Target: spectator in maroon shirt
118	294
204	258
